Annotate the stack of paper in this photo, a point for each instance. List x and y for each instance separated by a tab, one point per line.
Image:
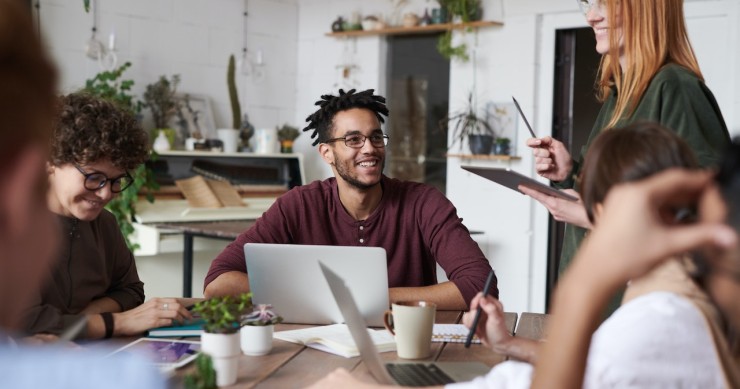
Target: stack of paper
336	339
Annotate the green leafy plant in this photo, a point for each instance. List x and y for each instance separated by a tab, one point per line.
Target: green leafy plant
159	97
467	10
287	132
204	376
466	123
111	86
222	315
503	141
262	315
445	47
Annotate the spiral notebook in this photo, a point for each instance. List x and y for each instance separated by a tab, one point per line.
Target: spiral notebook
452	333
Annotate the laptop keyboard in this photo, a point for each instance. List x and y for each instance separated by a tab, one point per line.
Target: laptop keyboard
417	374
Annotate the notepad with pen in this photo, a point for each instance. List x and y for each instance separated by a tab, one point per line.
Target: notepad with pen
452	333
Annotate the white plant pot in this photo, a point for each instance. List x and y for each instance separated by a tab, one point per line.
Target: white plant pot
225	352
256	340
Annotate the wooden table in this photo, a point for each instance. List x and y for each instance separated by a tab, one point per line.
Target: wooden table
291	365
225	230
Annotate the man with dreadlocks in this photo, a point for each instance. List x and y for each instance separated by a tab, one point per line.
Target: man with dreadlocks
415	223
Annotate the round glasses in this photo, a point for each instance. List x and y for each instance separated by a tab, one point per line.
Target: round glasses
356	141
587	5
95	181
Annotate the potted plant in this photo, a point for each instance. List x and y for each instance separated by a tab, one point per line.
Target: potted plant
463	11
502	146
109	85
471	127
159	97
220	338
257	329
204	377
286	135
230	136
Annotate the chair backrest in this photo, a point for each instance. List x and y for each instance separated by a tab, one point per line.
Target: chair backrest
510	318
532	325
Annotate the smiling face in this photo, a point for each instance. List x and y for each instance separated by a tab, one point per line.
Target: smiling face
362	167
597	17
68	195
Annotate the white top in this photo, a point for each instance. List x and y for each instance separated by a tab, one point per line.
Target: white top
659	340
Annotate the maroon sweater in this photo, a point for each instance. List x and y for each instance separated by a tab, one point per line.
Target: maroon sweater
415	224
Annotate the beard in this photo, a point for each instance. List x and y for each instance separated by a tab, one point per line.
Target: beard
345	170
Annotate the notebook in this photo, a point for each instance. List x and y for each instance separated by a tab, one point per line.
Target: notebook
289	278
336	339
406	374
191	328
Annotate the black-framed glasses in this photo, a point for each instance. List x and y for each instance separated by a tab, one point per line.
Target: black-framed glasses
356	141
95	181
587	5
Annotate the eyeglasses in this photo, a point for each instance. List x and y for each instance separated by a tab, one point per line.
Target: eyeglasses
95	181
587	5
356	141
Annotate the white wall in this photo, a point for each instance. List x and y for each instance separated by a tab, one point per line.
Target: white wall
194	37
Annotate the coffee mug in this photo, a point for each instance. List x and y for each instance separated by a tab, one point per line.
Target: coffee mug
411	323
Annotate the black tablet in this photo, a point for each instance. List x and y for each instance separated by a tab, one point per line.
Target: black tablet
512	180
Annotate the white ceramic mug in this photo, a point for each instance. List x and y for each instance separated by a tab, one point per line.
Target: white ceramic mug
230	139
411	323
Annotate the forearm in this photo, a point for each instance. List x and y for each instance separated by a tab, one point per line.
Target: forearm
577	307
230	283
522	349
445	295
104	304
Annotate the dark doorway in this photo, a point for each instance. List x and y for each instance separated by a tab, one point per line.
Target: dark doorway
418	98
574	112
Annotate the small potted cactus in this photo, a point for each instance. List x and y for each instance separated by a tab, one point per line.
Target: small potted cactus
257	328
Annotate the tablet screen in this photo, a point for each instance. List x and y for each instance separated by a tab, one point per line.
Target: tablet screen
512	180
167	354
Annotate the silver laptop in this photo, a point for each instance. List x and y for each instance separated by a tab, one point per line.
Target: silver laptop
405	374
288	277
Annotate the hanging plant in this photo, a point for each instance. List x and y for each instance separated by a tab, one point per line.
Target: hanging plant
445	47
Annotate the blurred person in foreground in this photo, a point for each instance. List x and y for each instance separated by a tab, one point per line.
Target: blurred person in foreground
28	231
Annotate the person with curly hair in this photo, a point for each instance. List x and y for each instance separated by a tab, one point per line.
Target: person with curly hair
416	225
94	146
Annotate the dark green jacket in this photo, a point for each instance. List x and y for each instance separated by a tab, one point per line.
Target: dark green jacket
675	98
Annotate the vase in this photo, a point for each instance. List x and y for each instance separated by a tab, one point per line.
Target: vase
225	352
230	138
480	144
256	340
501	149
286	146
161	143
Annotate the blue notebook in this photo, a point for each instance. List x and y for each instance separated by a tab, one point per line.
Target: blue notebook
193	328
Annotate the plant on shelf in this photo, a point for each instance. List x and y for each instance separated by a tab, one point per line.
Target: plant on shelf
220	338
159	97
287	135
502	146
467	11
468	125
110	86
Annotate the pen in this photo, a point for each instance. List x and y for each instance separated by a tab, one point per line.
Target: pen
523	117
489	281
72	331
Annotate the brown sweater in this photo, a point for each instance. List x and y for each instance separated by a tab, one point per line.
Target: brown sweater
94	262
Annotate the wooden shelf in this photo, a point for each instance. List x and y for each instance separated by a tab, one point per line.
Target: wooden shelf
490	157
428	29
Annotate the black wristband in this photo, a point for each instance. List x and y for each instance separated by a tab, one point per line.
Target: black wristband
109	325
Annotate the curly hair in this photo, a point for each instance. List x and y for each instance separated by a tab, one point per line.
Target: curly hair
321	121
89	129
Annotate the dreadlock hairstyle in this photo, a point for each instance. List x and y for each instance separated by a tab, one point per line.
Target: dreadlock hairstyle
321	120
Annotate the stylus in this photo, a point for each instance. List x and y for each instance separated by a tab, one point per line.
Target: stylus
489	281
523	117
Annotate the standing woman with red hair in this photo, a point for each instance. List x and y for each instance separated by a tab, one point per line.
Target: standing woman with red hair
648	72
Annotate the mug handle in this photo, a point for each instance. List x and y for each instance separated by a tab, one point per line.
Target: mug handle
388	321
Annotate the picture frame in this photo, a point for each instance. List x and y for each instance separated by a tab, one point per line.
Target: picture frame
504	120
194	115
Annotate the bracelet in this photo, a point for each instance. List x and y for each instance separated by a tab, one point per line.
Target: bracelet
109	325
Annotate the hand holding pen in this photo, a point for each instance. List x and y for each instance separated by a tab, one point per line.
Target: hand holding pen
474	325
